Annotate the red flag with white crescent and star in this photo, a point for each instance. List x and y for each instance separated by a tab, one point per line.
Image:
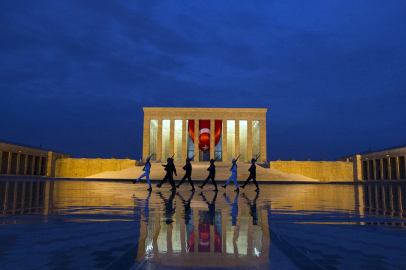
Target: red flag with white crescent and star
204	133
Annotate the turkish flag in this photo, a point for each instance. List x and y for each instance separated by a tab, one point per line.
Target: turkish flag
204	133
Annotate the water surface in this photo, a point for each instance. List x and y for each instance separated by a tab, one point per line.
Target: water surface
117	225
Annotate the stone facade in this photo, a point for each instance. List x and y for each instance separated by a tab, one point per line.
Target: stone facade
154	113
324	171
83	167
385	164
26	160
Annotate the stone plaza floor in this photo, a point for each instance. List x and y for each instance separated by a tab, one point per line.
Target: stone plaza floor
66	224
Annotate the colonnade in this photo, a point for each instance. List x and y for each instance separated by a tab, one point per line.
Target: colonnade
22	164
389	168
226	115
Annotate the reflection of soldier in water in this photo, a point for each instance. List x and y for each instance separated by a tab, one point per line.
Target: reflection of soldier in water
170	169
212	207
169	209
145	208
234	215
253	208
234	208
188	217
208	218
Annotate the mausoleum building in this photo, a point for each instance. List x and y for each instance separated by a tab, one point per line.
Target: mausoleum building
207	133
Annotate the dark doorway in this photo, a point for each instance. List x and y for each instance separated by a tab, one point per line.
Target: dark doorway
13	165
36	166
21	164
4	162
402	169
44	166
29	165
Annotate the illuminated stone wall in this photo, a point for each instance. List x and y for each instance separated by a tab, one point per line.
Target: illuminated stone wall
83	167
320	170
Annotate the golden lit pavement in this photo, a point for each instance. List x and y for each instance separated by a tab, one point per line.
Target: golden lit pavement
200	173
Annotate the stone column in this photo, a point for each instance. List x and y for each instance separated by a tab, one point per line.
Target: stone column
184	140
224	142
249	139
237	138
196	151
389	169
172	138
374	165
159	140
9	162
262	132
26	164
397	168
381	165
1	160
212	137
145	138
368	176
357	167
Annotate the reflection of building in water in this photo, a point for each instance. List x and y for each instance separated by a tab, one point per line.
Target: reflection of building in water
385	200
205	232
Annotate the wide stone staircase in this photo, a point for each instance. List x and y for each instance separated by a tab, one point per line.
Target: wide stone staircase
199	172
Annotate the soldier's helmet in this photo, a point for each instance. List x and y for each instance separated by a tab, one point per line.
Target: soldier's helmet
233	161
253	160
148	158
188	160
211	160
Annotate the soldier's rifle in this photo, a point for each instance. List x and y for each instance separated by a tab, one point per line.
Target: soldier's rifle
257	158
235	161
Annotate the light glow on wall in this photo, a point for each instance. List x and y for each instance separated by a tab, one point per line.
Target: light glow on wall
256	141
153	135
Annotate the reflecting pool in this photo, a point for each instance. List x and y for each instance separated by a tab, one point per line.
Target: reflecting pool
58	224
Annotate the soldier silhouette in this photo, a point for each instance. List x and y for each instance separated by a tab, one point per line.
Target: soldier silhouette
212	207
188	174
233	175
146	169
170	169
253	174
212	175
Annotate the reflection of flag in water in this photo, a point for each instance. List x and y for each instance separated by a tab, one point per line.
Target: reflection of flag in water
204	237
204	133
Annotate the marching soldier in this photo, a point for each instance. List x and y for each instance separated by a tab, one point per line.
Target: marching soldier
146	169
233	175
212	175
170	169
253	174
188	174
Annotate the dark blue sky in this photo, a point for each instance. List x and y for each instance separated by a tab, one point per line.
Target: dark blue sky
74	75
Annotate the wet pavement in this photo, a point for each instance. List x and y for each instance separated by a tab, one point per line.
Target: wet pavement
57	224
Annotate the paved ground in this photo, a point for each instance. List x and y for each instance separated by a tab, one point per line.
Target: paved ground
200	172
57	224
